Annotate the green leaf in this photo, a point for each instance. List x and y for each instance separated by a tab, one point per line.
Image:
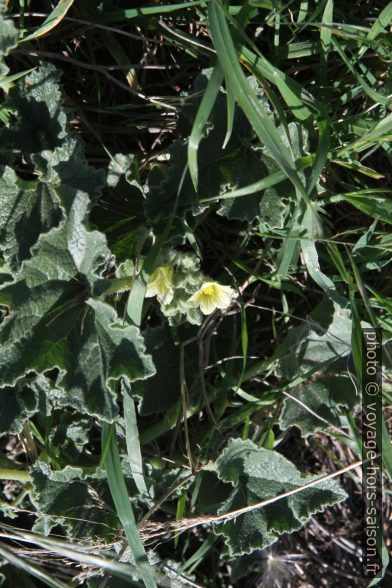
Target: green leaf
132	438
124	166
159	392
220	170
28	209
315	405
8	38
123	506
42	132
311	258
259	474
325	337
54	18
41	121
273	210
248	208
205	108
68	436
69	498
53	311
255	112
378	207
18	403
386	448
326	33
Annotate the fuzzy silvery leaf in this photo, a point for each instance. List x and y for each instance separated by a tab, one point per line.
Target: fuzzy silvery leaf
20	402
54	321
73	500
323	398
8	34
52	153
256	475
8	39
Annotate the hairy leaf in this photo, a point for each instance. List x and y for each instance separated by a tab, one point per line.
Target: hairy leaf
52	152
55	322
322	398
73	500
8	38
20	402
259	474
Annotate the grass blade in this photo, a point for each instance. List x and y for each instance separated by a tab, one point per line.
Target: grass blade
230	101
375	96
326	33
376	134
321	155
245	96
206	106
29	568
132	438
139	287
129	13
76	552
386	448
380	24
54	18
123	506
203	113
310	255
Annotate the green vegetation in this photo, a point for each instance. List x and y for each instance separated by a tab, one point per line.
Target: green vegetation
195	211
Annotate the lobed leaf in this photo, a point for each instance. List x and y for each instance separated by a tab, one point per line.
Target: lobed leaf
258	474
55	321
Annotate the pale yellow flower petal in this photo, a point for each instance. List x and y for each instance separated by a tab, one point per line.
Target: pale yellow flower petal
207	305
194	300
222	296
210	296
151	290
160	284
167	297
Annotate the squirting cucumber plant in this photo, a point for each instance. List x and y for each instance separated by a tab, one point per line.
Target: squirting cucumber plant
194	231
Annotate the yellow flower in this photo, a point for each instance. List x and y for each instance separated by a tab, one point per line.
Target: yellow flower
211	296
160	284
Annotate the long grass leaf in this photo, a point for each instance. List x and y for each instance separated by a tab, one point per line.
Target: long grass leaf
230	101
379	131
206	106
263	125
326	33
76	552
375	96
321	155
129	13
54	18
201	118
123	506
386	448
379	25
29	568
310	255
132	439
